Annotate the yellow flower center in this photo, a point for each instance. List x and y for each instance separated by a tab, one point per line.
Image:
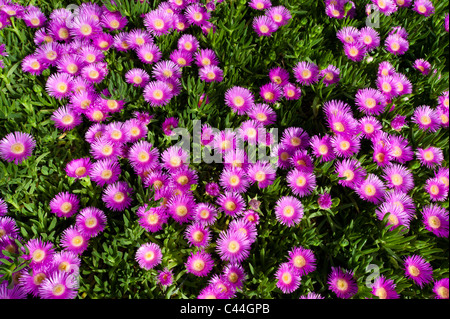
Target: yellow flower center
94	74
158	24
397	179
181	61
284	156
286	278
381	293
158	94
149	255
443	292
204	213
143	156
62	87
276	79
296	141
233	246
344	145
80	171
395	46
300	181
299	261
238	101
264	29
288	211
428	155
86	29
35	65
260	176
225	145
91	222
434	190
234	180
148	57
414	271
182	180
370	103
38	255
17	148
434	222
198	16
175	161
35	21
107	150
393	220
198	236
152	219
114	24
230	206
188	46
323	149
51	55
77	241
342	284
306	74
119	197
66	207
233	277
349	174
422	9
339	127
353	51
58	289
386	87
198	265
425	119
39	278
64	266
181	210
368	128
367	39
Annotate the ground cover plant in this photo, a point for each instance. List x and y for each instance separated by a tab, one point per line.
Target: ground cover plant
224	149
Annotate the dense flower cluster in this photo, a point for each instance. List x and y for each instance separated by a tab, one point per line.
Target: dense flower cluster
74	50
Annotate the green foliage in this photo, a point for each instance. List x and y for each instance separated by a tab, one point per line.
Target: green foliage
347	235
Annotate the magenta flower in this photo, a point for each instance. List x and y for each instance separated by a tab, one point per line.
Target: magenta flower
231	203
301	183
17	147
306	73
165	277
384	288
287	279
64	204
261	173
260	4
371	189
302	260
264	26
435	219
270	92
239	99
342	283
423	7
440	288
418	269
330	75
199	263
233	246
73	240
289	211
117	196
148	256
58	285
91	221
